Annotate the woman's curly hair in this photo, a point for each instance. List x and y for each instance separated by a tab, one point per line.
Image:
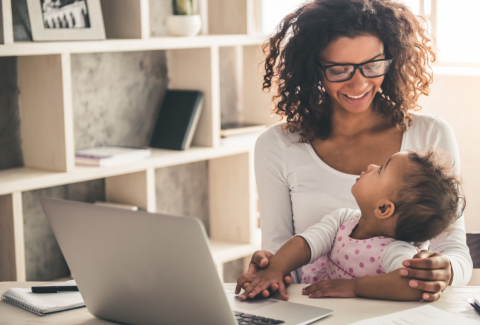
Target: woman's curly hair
292	53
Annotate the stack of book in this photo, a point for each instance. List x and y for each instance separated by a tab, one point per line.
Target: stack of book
109	156
232	133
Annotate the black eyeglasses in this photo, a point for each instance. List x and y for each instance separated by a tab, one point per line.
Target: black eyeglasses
345	72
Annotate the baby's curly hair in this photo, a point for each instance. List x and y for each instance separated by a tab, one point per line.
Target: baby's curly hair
429	199
292	53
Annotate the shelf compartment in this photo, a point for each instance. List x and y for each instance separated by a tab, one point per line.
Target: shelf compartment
136	189
231	198
12	245
231	17
197	69
25	178
126	45
46	111
224	251
126	18
6	24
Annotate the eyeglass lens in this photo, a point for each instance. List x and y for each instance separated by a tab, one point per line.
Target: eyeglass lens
369	70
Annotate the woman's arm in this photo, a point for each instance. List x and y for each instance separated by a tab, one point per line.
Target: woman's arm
275	206
273	191
449	256
454	246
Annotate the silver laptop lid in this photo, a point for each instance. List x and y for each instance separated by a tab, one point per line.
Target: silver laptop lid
125	263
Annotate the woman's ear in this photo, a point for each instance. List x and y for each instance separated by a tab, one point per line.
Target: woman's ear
385	210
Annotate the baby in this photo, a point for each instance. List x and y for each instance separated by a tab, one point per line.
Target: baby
411	199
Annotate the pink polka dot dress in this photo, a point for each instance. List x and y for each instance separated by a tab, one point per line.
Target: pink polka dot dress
349	258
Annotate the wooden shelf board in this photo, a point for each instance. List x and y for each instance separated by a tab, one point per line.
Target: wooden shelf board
223	251
26	179
125	45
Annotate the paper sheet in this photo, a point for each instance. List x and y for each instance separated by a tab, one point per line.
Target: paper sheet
424	315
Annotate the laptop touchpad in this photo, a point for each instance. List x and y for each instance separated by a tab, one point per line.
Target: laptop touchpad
248	305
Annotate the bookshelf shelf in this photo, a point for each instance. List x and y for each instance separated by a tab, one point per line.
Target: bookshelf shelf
126	45
26	179
47	97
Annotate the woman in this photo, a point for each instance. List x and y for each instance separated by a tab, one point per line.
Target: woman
348	74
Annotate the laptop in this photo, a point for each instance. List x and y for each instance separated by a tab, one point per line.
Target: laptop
136	267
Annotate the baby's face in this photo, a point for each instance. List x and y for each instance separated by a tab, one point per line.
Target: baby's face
378	183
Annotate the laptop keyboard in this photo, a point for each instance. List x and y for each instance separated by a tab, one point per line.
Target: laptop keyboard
249	319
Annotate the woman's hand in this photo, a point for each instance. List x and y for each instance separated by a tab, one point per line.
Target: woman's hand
430	272
341	288
259	261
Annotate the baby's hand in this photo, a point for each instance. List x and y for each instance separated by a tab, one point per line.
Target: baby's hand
260	281
340	288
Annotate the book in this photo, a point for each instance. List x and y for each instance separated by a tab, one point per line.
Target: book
241	138
177	120
44	303
109	156
232	129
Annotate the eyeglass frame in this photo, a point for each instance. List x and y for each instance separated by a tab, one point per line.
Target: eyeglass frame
355	68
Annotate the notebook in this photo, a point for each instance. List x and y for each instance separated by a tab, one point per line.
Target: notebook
177	120
44	303
109	156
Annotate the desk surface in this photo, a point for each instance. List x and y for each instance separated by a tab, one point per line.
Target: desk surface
345	310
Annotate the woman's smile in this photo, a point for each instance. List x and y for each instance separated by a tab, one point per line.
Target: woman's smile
356	100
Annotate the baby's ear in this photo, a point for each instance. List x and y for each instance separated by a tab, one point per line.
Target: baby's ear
385	210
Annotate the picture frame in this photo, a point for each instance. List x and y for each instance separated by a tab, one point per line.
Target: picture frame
65	20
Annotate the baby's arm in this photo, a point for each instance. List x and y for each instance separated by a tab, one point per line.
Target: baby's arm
389	286
292	255
316	241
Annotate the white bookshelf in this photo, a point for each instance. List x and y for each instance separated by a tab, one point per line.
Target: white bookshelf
126	45
44	74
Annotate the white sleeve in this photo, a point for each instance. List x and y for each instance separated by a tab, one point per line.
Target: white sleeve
320	236
395	253
276	219
454	246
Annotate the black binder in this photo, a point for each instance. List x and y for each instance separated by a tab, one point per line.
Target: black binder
177	119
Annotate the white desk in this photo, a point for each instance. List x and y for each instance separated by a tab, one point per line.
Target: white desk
345	310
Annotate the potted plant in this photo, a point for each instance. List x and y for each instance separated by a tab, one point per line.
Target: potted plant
184	21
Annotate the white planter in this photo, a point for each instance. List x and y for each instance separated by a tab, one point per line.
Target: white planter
180	25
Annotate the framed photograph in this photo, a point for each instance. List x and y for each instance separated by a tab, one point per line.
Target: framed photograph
65	20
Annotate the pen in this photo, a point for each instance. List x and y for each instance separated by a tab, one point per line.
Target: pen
474	305
53	289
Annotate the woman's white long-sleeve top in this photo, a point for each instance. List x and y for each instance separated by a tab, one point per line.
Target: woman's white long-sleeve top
296	188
